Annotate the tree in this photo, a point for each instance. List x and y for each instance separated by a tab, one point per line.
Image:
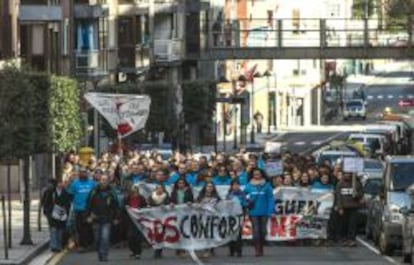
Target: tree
39	113
199	101
398	13
363	8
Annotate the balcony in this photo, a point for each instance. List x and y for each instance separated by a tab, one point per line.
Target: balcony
40	13
89	11
166	51
167	6
94	64
134	59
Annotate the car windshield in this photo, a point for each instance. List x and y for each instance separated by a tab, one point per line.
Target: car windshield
357	139
401	176
354	104
372	186
371	165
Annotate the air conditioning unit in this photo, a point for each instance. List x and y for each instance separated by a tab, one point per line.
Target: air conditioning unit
122	77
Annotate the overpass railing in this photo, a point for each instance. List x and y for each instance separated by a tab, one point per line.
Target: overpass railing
306	33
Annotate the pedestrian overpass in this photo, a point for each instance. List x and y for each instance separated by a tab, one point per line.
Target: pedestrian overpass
305	39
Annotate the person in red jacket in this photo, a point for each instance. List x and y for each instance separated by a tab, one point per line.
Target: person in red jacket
135	200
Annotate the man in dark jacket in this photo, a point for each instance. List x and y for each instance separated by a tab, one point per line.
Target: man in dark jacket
103	211
56	203
349	194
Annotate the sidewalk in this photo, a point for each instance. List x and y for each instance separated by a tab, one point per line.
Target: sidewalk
19	254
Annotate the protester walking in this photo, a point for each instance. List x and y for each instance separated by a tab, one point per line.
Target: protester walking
260	203
157	198
236	194
135	238
80	189
349	193
56	204
103	211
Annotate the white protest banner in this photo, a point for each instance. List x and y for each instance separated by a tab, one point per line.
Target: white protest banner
300	213
274	168
353	164
124	112
189	227
273	147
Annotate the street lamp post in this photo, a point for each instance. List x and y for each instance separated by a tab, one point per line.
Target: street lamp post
252	128
267	74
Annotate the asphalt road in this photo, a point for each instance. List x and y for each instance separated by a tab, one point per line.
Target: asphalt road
286	255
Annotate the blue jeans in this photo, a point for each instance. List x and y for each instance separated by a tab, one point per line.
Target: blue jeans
56	234
259	227
102	236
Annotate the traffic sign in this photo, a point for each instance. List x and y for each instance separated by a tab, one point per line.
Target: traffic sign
406	103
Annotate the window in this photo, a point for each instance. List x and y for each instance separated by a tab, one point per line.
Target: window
125	31
401	176
38	39
86	35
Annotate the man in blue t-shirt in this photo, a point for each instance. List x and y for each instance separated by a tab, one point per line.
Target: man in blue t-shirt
80	189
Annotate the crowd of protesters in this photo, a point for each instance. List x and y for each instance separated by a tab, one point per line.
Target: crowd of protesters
86	206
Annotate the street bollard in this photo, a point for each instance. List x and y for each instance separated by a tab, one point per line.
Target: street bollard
3	208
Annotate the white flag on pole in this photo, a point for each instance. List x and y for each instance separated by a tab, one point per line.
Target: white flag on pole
125	112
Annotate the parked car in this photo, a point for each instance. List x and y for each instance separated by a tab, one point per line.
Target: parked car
385	220
408	228
371	184
334	156
355	108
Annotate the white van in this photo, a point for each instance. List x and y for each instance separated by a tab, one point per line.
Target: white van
355	108
370	140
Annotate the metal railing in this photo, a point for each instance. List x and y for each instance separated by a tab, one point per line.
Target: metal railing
168	50
94	62
305	33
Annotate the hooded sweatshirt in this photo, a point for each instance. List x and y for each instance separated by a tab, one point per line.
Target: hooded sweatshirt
260	197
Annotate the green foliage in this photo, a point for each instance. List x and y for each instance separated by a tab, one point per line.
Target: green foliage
38	113
17	114
361	8
398	13
65	121
199	100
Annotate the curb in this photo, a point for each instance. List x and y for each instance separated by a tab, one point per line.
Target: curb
29	256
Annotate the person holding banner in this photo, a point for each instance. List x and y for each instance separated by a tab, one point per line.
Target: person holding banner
208	196
260	203
158	198
181	193
236	194
134	200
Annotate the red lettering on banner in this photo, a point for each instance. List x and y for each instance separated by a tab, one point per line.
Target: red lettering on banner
158	231
169	224
247	227
283	226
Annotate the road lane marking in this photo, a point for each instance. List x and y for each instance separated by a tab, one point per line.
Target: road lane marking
316	142
410	96
370	97
376	251
390	96
300	143
400	96
326	141
380	96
